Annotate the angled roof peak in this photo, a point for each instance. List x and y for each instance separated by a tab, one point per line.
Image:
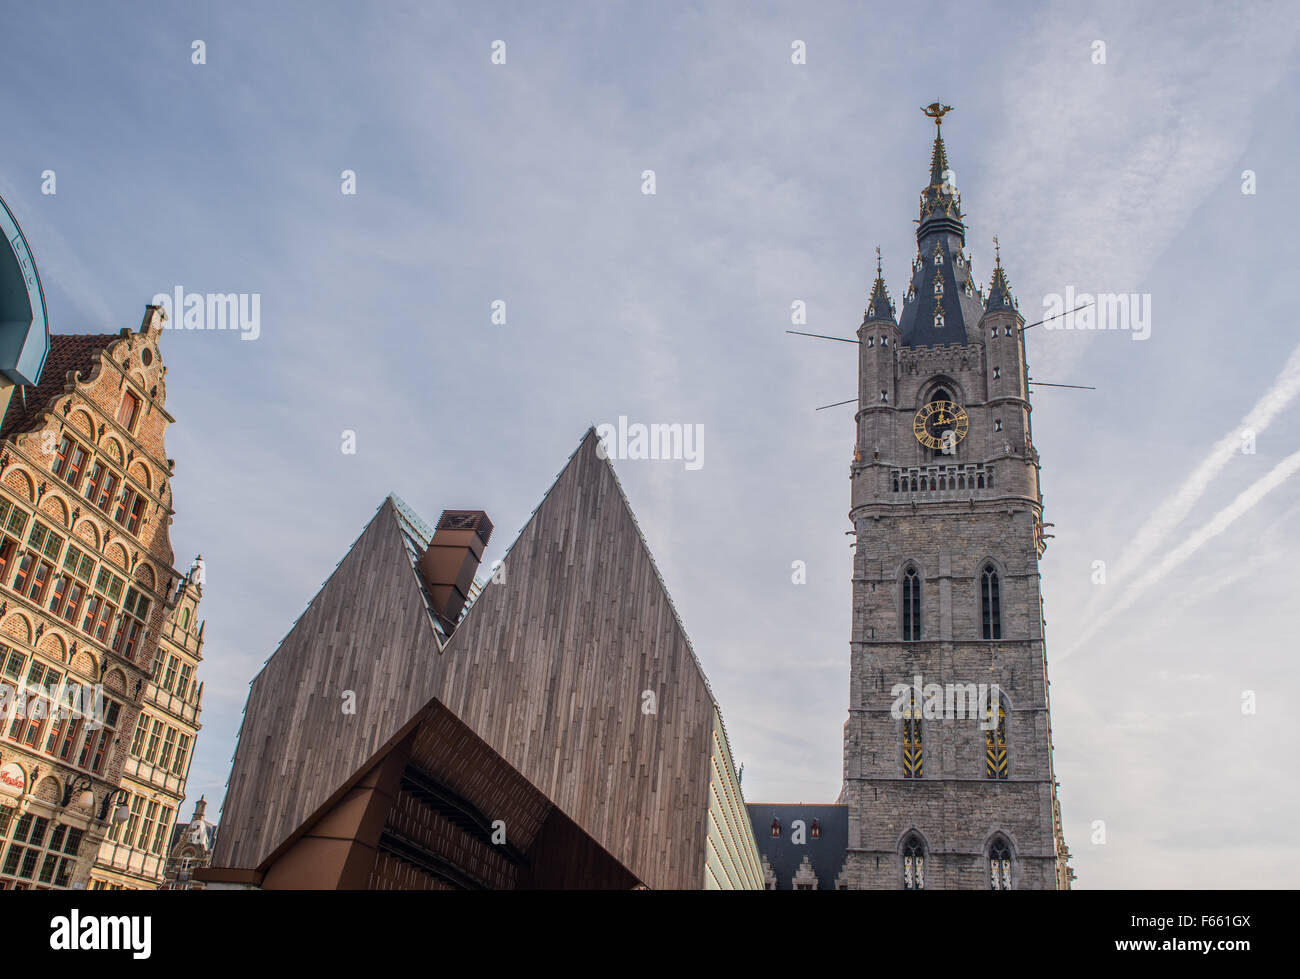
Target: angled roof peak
1000	296
879	306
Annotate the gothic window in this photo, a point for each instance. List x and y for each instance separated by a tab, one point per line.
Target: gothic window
991	602
911	604
997	373
913	864
913	747
995	742
1000	866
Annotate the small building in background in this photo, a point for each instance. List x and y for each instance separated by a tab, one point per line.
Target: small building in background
190	850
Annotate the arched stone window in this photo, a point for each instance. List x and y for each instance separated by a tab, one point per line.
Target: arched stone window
911	604
1000	865
991	602
913	863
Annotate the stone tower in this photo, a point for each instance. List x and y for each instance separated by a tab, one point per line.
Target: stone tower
948	745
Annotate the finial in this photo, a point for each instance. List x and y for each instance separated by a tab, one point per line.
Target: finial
997	252
936	111
877	261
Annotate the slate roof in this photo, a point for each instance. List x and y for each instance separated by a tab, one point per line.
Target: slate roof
67	352
940	230
206	830
826	853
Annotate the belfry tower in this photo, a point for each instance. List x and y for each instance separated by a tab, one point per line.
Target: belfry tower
948	746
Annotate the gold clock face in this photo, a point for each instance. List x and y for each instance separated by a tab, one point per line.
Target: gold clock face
935	420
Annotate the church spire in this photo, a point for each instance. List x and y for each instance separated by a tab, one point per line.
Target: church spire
940	202
999	289
879	306
940	306
939	156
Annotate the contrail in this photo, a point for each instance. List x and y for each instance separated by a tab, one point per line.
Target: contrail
1172	511
1220	522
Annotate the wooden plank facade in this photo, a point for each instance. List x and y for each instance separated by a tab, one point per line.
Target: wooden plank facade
570	674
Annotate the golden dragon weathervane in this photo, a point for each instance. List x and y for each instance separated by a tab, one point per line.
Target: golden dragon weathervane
936	111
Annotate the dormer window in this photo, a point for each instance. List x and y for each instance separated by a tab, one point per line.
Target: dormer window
815	830
938	256
938	319
128	411
938	286
776	827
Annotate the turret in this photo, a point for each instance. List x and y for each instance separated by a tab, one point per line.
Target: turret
879	337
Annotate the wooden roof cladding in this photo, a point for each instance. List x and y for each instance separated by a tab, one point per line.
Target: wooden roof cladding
550	668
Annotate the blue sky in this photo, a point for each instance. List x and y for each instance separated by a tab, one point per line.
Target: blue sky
522	182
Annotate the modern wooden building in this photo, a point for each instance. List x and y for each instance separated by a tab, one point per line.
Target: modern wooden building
554	730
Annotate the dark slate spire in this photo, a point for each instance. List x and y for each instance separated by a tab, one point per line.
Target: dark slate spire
938	156
940	202
941	299
1000	289
879	306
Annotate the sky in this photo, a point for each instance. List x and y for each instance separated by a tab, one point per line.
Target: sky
1116	168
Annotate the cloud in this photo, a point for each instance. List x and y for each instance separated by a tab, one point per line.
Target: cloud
1220	522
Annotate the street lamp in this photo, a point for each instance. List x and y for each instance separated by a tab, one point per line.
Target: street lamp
121	813
87	798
